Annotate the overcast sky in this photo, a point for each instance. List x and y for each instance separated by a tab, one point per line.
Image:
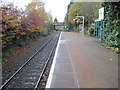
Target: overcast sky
58	8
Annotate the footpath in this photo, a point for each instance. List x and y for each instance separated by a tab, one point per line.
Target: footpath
81	62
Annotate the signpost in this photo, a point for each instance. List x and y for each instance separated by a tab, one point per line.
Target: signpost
82	24
101	13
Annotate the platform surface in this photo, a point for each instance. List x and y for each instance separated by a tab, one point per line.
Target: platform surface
81	62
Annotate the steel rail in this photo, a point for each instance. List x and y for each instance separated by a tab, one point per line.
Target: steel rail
25	63
40	77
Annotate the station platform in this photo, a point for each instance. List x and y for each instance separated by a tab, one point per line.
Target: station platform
81	62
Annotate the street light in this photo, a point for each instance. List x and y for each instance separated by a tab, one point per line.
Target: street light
82	24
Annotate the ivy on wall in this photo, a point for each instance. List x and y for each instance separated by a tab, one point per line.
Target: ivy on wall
111	24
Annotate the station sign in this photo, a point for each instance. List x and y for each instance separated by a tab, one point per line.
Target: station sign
101	13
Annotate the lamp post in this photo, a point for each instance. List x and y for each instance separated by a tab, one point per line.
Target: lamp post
76	23
82	24
45	25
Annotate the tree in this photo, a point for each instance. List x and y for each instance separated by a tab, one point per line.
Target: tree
37	6
89	10
48	18
55	20
22	26
33	22
11	21
35	16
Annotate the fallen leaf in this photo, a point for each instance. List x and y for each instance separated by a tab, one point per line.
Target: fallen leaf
110	59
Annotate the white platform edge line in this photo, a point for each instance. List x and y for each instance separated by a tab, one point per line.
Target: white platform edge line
53	65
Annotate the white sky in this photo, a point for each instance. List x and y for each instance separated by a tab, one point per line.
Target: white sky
58	8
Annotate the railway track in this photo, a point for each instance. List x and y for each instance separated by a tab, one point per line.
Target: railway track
29	74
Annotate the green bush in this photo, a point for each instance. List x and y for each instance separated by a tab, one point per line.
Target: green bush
91	30
44	33
76	29
111	22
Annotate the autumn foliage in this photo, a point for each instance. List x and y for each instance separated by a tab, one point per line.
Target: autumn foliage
19	25
11	24
33	22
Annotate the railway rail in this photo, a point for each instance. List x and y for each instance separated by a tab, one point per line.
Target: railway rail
30	73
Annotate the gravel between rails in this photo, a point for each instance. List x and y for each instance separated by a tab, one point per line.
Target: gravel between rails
9	68
28	77
43	82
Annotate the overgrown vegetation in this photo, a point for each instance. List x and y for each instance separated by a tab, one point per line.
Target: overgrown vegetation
111	30
90	30
87	9
21	27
